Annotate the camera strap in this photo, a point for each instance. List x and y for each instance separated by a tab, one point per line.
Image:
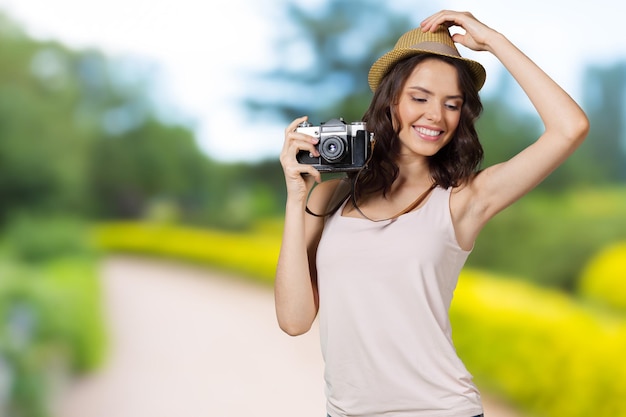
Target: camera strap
341	194
408	209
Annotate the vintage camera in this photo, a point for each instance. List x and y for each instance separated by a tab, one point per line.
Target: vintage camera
342	147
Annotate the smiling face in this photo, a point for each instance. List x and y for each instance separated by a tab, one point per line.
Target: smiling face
428	108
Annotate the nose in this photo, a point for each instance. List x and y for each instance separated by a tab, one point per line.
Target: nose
433	112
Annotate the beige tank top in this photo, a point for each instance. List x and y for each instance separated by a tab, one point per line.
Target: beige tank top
385	290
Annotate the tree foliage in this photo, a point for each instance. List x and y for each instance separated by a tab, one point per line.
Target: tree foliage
325	55
79	134
603	158
42	152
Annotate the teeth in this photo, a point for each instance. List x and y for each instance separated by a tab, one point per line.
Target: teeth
428	132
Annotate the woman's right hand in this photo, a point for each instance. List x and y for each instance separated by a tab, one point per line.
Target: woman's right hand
299	178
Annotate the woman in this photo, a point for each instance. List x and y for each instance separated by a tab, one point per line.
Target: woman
381	269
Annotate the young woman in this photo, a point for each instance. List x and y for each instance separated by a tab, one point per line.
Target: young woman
380	270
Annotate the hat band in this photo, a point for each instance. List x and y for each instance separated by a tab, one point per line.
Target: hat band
437	48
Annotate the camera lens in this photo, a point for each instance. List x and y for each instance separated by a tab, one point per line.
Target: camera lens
332	148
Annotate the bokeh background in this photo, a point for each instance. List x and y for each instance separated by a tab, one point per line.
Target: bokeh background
153	129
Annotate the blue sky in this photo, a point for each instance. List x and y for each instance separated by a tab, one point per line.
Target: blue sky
202	48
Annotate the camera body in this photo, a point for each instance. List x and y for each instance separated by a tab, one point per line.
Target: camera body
343	147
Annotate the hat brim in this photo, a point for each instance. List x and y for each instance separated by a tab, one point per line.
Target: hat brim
383	65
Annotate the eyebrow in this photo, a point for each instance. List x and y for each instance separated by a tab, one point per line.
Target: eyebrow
426	91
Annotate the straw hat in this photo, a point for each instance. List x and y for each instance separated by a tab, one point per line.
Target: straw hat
416	42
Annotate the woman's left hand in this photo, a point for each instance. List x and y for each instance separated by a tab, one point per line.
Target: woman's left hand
476	36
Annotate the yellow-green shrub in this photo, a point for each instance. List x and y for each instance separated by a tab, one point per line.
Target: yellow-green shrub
540	349
254	254
603	279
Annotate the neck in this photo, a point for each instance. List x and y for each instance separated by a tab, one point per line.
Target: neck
414	173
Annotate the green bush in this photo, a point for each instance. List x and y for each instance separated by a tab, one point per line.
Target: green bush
38	238
603	280
548	238
50	322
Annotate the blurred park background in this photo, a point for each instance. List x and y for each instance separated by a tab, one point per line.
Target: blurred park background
97	157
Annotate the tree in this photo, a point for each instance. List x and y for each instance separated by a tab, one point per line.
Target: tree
42	150
151	162
605	102
79	134
325	57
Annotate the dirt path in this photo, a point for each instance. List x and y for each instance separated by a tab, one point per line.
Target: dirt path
188	342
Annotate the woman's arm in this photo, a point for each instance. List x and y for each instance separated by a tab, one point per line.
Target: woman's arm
295	286
566	126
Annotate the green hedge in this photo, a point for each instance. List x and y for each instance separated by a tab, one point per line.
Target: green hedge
252	254
539	349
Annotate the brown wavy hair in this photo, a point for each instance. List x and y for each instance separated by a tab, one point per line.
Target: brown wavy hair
453	165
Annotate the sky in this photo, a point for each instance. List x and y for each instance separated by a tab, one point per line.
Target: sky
205	49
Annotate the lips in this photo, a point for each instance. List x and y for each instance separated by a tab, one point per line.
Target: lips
428	134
